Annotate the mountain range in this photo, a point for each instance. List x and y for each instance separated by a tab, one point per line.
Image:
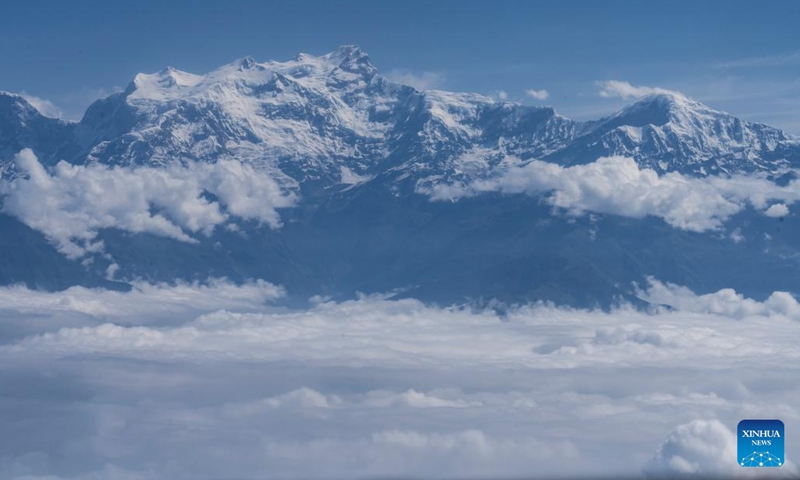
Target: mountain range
361	163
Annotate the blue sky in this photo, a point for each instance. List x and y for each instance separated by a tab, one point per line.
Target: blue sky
736	56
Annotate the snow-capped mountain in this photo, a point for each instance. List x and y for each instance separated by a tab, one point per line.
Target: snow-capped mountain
22	126
352	157
669	132
334	119
331	119
314	117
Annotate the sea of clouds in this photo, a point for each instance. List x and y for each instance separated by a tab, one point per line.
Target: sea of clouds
213	380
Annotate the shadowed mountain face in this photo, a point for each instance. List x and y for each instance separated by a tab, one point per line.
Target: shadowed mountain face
362	153
22	126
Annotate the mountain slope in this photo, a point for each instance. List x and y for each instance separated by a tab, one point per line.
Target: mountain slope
333	119
669	132
363	153
22	126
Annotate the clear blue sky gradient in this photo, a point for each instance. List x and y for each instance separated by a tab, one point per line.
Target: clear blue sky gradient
742	57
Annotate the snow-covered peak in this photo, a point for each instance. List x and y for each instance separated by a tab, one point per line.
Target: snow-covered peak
308	117
27	108
669	131
657	109
23	125
678	107
314	117
346	54
158	85
351	58
347	65
671	108
16	102
247	62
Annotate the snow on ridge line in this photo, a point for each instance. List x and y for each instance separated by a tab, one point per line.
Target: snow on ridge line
73	202
331	110
171	83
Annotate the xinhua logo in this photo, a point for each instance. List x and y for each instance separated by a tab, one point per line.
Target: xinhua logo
760	443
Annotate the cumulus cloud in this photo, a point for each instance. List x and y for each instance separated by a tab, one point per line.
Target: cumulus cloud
705	448
44	106
308	398
618	186
726	302
420	81
501	95
73	202
212	380
624	90
537	94
777	210
700	447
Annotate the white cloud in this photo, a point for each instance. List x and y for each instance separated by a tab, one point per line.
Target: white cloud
737	236
777	210
703	448
419	454
726	302
74	104
207	381
624	90
618	186
412	399
537	94
301	398
501	95
700	447
45	107
420	81
143	300
307	398
774	60
377	332
73	202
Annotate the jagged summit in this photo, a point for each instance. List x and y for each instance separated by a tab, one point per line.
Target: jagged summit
22	125
324	120
168	78
656	109
659	109
345	64
26	106
346	53
13	101
247	62
352	59
671	132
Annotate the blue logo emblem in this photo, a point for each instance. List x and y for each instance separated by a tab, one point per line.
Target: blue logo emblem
760	443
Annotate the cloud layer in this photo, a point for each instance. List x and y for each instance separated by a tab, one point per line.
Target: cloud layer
201	381
537	94
73	202
725	302
618	186
420	81
624	90
704	448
